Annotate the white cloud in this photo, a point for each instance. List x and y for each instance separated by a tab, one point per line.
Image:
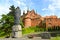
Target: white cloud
53	7
56	3
4	7
44	9
18	2
23	4
4	10
48	14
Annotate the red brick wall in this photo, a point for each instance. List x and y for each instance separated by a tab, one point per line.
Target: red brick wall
27	22
33	19
52	22
35	22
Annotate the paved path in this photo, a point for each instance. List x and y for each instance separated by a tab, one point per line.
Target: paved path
25	38
37	38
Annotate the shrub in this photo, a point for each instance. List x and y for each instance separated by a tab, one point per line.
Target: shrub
27	30
32	30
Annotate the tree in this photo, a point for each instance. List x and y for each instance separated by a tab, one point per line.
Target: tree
7	21
12	10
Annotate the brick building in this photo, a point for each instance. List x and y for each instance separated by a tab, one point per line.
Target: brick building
31	18
52	21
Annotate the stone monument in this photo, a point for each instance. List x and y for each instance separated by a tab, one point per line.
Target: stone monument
16	29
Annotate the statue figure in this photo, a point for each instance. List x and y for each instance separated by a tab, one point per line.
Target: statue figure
17	16
16	29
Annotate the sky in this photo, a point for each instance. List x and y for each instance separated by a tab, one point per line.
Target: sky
42	7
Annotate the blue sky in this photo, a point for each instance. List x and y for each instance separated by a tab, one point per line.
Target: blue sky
42	7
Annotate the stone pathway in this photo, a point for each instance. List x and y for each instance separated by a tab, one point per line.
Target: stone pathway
36	38
25	38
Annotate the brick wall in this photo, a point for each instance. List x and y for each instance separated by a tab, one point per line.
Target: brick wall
33	19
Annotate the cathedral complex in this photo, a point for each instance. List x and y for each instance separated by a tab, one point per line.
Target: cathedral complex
31	19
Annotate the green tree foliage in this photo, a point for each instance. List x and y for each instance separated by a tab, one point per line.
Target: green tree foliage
12	10
7	22
21	23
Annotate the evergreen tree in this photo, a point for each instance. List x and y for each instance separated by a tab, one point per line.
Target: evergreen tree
7	22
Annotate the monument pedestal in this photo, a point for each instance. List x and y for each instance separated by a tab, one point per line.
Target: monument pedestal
16	31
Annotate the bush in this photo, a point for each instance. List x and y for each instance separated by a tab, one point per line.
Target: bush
27	30
32	30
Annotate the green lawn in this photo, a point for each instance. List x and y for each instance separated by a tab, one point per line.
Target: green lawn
55	38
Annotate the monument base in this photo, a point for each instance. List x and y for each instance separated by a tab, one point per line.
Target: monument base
16	31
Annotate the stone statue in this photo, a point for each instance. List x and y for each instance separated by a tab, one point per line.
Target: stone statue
17	16
16	29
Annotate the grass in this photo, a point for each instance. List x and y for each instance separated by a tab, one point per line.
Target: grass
27	30
32	30
55	38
